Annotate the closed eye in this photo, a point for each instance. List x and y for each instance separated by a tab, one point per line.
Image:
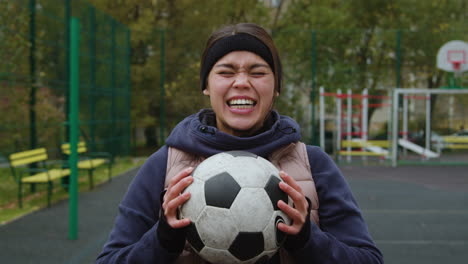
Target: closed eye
225	73
258	74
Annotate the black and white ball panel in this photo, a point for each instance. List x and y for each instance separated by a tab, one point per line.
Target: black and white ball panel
217	221
251	210
233	209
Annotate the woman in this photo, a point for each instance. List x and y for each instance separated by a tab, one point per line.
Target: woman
241	73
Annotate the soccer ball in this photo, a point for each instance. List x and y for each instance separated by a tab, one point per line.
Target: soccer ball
233	209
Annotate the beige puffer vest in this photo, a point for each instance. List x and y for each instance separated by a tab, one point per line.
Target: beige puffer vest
292	159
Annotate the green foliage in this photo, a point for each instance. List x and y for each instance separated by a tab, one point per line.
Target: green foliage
356	46
15	109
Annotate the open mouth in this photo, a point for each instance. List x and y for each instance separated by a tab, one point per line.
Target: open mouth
241	103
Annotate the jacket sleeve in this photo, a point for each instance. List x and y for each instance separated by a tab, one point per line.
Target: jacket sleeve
342	236
133	238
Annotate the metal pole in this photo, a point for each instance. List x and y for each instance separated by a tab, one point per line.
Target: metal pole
67	19
322	118
395	128
389	123
32	74
314	85
162	99
92	78
129	89
74	126
405	121
349	120
428	122
338	123
365	109
115	147
398	58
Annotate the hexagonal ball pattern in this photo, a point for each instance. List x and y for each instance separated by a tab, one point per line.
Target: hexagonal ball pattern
274	192
237	153
214	255
194	238
216	227
252	209
273	237
247	245
212	166
221	190
232	208
195	205
248	172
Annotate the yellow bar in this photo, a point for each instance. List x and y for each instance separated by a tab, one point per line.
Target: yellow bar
28	157
450	139
369	143
81	148
360	153
27	153
28	160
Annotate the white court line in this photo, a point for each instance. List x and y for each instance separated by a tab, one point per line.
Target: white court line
422	242
416	211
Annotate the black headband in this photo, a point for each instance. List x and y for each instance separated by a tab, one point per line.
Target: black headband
235	42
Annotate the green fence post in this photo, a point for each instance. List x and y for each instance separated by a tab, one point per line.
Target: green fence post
66	22
129	85
114	141
32	74
313	92
162	102
398	59
92	78
74	126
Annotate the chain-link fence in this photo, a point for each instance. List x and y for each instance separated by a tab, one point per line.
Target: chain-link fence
34	76
378	60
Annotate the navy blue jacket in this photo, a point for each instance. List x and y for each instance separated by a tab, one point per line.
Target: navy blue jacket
342	236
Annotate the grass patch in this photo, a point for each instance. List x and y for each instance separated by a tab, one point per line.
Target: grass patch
9	208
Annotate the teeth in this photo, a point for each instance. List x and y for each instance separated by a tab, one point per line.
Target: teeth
241	102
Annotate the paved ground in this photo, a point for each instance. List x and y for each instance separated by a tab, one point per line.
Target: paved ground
42	237
415	214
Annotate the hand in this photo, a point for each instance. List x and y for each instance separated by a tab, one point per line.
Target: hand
299	212
173	198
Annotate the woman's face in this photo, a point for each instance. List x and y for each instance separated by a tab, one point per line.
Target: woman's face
241	89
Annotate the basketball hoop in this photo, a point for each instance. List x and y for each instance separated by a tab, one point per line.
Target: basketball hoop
453	56
456	57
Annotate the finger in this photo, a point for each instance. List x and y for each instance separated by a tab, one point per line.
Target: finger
296	216
179	223
184	173
297	197
176	189
171	211
172	205
290	230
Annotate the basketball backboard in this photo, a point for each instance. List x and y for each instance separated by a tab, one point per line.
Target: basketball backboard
453	56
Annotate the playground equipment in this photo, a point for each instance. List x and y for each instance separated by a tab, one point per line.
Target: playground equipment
452	57
349	142
397	94
356	141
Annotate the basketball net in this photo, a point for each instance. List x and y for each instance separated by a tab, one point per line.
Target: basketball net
456	68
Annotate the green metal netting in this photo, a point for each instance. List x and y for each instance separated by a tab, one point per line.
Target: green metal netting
34	76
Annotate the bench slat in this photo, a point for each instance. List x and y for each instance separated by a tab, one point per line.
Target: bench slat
28	157
44	177
89	164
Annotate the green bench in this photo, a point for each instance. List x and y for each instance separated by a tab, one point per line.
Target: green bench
30	167
90	161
